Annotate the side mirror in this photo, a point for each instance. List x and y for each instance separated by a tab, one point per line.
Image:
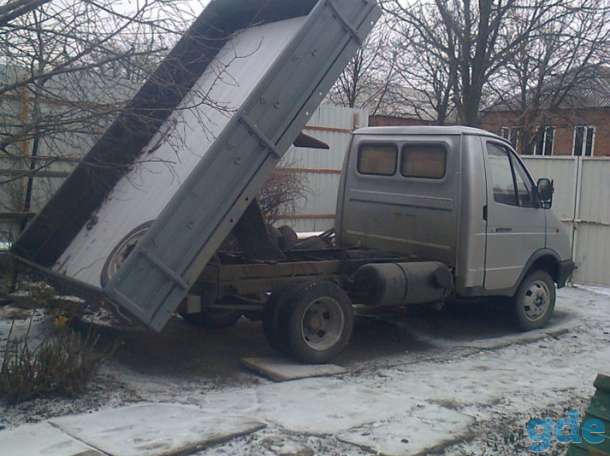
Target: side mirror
545	190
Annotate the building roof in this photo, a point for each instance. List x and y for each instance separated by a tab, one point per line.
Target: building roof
426	130
591	90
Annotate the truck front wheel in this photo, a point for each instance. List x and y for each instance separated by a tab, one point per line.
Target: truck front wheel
534	302
318	322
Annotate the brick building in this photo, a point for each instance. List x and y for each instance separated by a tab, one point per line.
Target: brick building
579	127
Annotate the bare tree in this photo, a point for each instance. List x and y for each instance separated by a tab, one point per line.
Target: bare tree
67	69
17	8
367	78
282	192
425	79
548	73
477	39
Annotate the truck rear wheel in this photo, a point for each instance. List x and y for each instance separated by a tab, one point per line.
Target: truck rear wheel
534	302
317	319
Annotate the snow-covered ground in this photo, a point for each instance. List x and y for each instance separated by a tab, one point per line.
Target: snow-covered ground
456	382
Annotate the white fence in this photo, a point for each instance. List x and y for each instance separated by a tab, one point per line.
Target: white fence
322	168
582	202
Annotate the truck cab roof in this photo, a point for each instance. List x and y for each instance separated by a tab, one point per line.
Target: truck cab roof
426	130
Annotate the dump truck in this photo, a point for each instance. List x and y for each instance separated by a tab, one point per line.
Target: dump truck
158	226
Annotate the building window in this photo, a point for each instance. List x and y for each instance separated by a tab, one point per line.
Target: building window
512	135
584	141
426	161
378	159
545	141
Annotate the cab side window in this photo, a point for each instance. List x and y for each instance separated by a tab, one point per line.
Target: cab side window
511	183
501	175
378	159
524	185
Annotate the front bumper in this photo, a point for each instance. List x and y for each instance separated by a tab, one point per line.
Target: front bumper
566	268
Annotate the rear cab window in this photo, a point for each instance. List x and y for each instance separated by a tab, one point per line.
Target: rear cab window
424	161
378	159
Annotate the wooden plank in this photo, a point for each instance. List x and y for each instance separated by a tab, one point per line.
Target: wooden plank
231	273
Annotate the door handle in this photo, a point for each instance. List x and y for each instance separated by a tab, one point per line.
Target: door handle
504	230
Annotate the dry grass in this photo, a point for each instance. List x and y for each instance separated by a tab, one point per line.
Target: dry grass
63	364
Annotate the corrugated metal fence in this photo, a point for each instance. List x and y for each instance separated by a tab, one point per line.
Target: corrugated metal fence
582	202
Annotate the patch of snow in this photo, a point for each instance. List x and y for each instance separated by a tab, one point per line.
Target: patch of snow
604	291
36	328
20	294
310	234
68	298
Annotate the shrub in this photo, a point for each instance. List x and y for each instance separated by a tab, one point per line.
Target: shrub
62	364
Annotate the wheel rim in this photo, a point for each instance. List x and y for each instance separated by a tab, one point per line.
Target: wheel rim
122	251
536	300
322	324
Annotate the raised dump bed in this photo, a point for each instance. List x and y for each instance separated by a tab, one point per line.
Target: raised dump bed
150	204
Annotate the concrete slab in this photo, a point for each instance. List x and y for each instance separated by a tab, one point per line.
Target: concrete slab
282	369
428	428
42	439
155	429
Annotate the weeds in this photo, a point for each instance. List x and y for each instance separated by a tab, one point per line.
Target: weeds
5	282
62	364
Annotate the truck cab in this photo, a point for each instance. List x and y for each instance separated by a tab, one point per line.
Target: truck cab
457	195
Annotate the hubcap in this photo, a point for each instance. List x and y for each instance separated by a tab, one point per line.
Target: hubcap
536	300
322	323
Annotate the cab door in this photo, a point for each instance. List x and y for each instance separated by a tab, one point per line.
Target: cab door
516	227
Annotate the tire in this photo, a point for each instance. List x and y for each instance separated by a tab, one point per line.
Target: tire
317	322
534	302
274	332
213	319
